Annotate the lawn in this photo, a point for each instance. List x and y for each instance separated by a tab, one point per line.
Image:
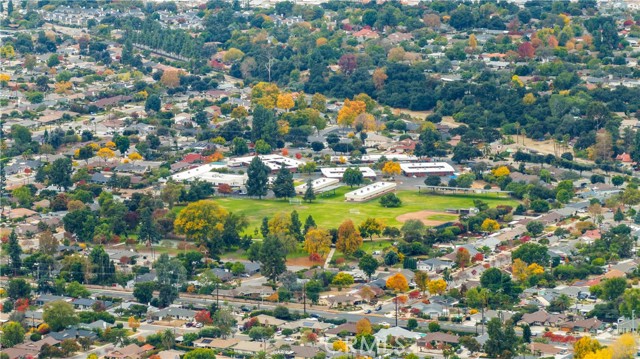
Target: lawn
330	210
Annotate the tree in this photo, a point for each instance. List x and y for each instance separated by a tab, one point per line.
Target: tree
204	317
309	193
12	334
171	193
398	283
232	55
203	221
18	288
143	291
463	258
391	169
239	146
171	78
437	286
379	77
613	288
283	184
390	200
153	103
148	231
618	216
342	279
262	147
368	265
285	101
502	340
412	324
531	253
47	243
363	327
317	241
584	346
349	239
352	177
257	178
526	50
53	60
490	225
473	42
200	353
133	323
470	343
371	227
273	258
463	152
105	153
60	173
535	228
15	251
422	281
23	195
59	315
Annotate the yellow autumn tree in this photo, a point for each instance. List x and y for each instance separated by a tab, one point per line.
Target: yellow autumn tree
515	79
398	283
473	42
135	156
63	87
438	286
501	171
134	323
363	327
391	168
349	111
321	41
5	77
625	347
584	346
232	55
202	221
171	78
529	99
367	121
535	269
265	94
110	145
379	77
519	270
604	353
285	101
106	153
489	225
339	346
317	241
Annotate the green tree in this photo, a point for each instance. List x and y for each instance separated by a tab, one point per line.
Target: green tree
368	265
532	253
15	251
262	147
60	173
283	184
239	146
502	341
535	228
309	194
273	258
53	60
59	315
153	103
12	334
257	182
148	230
614	288
122	143
352	177
618	216
200	353
143	292
23	195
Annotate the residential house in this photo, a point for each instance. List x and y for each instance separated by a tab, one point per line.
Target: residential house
131	351
436	340
175	313
396	332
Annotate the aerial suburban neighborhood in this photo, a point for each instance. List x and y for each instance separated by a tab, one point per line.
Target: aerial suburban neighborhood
315	179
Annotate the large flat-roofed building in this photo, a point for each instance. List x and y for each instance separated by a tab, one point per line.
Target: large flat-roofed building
205	173
370	192
274	162
319	185
337	172
421	169
398	157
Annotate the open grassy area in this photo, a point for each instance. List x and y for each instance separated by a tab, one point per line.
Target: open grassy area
442	217
330	210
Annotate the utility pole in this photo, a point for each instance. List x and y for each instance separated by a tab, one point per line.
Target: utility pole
396	309
304	297
633	321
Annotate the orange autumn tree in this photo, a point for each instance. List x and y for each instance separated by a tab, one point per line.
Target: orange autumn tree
349	111
398	283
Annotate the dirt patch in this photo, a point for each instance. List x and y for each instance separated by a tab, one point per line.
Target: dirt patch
429	218
303	262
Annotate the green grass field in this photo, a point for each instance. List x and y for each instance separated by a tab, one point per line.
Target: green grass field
330	210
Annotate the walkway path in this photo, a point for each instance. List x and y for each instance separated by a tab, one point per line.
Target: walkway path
329	256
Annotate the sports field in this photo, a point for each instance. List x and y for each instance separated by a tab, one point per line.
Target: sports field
330	210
